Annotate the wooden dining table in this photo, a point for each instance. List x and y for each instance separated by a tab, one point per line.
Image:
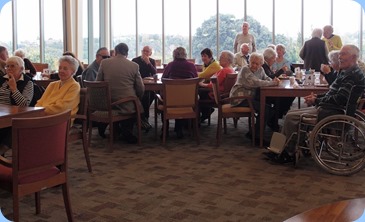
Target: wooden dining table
346	210
285	90
8	112
153	85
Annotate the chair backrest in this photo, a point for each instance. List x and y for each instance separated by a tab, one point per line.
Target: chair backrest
191	60
40	66
83	102
216	92
229	82
79	80
40	143
98	95
158	62
180	92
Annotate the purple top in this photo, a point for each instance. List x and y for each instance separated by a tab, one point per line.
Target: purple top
180	69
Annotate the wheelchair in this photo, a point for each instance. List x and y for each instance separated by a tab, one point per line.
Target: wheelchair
336	143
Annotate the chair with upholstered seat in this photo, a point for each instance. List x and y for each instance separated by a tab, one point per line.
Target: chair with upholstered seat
102	109
79	128
228	83
179	101
226	110
39	159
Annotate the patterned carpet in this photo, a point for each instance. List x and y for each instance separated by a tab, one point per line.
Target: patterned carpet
185	182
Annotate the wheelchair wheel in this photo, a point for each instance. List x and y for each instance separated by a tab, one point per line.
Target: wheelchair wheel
337	144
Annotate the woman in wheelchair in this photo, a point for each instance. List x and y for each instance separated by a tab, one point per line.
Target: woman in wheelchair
341	98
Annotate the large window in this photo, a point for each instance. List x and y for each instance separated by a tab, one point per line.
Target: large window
288	27
150	26
259	15
6	37
167	24
176	26
231	17
28	28
53	35
203	27
123	22
316	15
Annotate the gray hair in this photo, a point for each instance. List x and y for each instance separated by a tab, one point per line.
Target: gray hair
317	33
280	46
269	53
333	56
121	49
179	53
228	55
20	53
70	60
257	56
17	60
329	28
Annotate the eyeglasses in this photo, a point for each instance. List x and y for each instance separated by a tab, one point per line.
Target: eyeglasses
10	66
104	56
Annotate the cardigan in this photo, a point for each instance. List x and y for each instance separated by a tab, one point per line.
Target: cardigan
58	98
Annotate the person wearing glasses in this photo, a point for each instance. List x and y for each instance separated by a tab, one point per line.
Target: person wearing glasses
91	71
16	89
147	68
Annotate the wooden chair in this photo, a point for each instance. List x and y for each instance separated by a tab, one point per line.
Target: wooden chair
39	159
79	128
179	101
79	80
226	110
158	62
100	109
40	66
228	83
191	60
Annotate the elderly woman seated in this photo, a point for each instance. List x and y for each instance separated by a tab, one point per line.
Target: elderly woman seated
15	89
65	93
249	80
226	61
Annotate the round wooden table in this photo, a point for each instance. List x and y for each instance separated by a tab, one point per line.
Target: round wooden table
342	211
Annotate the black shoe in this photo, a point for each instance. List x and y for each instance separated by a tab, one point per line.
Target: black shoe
101	130
145	125
283	158
128	137
206	116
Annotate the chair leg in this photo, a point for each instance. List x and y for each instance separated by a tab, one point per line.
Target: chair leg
111	136
90	133
15	208
219	130
253	130
164	131
37	197
225	125
66	199
197	131
139	129
85	146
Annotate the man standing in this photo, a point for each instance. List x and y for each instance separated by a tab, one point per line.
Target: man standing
91	71
314	51
340	95
242	57
244	37
124	80
4	55
147	68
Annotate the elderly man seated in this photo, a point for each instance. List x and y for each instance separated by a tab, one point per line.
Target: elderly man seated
329	103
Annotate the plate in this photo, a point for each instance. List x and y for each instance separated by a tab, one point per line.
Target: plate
321	85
